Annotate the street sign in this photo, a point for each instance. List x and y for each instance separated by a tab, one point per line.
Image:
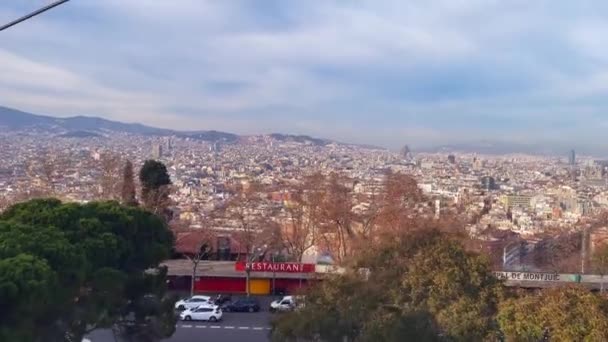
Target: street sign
530	276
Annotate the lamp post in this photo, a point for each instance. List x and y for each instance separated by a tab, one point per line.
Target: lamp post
254	253
274	276
248	271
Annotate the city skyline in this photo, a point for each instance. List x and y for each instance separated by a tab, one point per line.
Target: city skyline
388	74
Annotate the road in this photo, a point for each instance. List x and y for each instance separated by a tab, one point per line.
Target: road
234	327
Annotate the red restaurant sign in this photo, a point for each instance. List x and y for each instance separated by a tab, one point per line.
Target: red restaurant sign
281	267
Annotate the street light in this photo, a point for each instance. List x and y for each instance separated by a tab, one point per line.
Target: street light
254	253
274	274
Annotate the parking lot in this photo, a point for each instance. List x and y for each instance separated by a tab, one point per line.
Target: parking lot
234	326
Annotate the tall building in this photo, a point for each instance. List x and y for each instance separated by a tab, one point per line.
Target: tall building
406	153
572	158
157	151
452	159
168	144
488	183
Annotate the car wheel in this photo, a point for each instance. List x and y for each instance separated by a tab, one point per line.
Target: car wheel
181	307
187	318
251	309
212	319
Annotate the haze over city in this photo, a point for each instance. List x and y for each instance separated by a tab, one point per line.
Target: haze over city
383	73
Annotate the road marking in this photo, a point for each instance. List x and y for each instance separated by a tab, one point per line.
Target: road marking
230	327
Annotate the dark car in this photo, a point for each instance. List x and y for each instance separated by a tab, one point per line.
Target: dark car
242	305
222	299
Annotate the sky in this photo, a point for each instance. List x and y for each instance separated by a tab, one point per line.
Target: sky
382	72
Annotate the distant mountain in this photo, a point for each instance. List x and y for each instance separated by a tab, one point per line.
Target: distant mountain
85	126
15	120
81	134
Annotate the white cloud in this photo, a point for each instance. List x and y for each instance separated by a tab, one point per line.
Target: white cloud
310	65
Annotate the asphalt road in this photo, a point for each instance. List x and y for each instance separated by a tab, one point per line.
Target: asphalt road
234	327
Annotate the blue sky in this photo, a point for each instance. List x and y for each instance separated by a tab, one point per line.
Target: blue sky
379	72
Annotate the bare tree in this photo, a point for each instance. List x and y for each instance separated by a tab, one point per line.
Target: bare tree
247	210
197	245
128	185
337	216
559	252
110	175
304	212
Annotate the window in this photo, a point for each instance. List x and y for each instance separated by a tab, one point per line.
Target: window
204	310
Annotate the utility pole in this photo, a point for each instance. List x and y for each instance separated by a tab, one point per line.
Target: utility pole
274	276
584	247
33	14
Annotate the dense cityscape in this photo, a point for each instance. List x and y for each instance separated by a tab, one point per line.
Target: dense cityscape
437	171
532	197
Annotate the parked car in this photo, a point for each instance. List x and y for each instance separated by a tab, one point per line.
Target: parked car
192	302
222	299
242	305
286	303
211	313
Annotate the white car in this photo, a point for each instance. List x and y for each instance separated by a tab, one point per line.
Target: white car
211	313
286	303
192	302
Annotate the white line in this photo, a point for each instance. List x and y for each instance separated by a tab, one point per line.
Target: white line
186	326
243	328
258	328
201	326
215	327
228	327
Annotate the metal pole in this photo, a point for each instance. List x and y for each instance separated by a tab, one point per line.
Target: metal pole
248	271
274	277
33	14
584	251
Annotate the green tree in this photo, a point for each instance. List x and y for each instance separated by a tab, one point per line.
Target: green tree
561	314
155	186
66	269
424	286
128	185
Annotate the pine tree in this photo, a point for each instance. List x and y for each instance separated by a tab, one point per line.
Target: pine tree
128	185
155	188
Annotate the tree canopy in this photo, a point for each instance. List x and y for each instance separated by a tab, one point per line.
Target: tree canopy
561	314
69	268
425	286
